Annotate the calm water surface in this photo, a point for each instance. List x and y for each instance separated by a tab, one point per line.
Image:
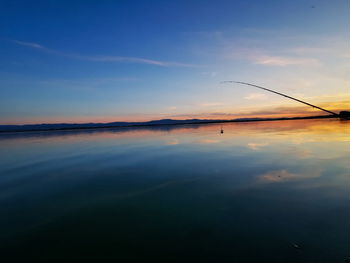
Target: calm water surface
259	192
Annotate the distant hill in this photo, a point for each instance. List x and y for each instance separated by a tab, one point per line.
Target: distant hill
66	126
71	126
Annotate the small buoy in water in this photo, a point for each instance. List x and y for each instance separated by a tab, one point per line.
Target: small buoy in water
222	131
296	246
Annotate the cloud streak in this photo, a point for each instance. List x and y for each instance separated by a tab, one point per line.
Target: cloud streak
210	104
256	96
284	61
120	59
29	44
259	56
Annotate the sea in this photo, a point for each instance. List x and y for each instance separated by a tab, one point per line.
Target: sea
268	191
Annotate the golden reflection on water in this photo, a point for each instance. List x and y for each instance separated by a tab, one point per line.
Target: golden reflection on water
255	135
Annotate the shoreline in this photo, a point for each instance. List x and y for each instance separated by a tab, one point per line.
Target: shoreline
181	122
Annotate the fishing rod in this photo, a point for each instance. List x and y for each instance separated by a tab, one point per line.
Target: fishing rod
284	95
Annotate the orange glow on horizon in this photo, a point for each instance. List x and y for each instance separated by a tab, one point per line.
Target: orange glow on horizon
226	114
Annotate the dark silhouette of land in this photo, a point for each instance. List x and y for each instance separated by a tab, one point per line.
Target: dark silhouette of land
164	122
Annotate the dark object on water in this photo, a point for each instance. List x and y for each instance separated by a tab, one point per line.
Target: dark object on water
296	246
289	97
344	115
221	131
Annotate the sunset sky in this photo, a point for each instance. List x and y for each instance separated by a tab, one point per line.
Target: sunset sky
102	61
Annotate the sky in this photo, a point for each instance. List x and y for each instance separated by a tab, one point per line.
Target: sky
102	61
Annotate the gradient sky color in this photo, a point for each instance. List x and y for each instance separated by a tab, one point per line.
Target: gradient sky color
99	61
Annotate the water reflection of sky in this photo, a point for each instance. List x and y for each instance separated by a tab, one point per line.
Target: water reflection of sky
255	190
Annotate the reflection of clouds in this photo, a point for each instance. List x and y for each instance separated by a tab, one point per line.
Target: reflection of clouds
303	154
256	146
207	141
172	142
284	175
299	152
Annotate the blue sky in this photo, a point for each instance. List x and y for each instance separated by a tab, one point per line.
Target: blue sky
82	61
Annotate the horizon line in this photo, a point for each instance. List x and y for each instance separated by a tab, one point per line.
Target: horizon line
149	124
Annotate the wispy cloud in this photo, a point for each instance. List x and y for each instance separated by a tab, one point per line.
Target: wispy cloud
29	44
256	96
105	58
285	61
132	60
171	108
266	57
337	48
